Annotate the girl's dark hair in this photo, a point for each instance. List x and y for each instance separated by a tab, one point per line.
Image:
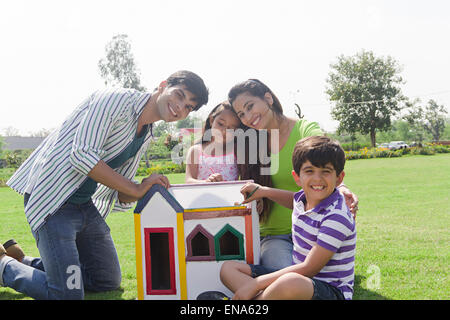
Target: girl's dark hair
206	134
253	171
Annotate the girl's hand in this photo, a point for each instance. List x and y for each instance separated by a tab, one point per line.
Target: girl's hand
215	177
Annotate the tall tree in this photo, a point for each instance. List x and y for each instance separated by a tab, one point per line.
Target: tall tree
366	91
118	67
435	116
429	119
416	119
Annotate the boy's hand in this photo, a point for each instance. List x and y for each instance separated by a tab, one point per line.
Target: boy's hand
215	177
247	291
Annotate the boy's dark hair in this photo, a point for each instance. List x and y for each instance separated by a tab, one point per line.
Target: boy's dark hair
319	150
193	84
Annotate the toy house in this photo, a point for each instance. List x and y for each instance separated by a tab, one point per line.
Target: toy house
184	234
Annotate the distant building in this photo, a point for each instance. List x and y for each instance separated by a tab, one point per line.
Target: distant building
20	143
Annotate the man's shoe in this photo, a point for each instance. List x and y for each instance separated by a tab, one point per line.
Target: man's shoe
14	250
2	251
212	295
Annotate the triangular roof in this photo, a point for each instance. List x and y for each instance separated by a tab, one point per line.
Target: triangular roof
163	191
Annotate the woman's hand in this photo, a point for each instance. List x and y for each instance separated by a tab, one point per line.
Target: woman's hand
254	190
351	200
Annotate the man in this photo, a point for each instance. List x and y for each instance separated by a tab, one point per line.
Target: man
72	180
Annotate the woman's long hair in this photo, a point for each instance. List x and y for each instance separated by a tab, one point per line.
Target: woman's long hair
253	171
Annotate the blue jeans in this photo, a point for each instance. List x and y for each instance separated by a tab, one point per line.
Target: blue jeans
276	251
77	254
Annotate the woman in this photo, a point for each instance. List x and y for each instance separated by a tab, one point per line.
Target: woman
257	107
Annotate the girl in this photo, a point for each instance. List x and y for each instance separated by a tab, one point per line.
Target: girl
210	160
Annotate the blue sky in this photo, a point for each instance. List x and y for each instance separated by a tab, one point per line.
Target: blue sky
50	49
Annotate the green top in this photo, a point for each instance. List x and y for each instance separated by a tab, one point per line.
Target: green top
87	189
279	220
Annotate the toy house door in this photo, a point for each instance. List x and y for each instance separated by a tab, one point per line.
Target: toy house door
160	261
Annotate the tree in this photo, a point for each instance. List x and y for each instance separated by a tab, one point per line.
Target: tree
416	119
429	119
366	91
435	119
118	67
10	132
189	122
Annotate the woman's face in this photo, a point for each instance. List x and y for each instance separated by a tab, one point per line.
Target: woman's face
253	111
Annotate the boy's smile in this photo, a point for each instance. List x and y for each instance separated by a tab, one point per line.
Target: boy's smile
317	183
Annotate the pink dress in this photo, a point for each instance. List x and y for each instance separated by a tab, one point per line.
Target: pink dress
226	165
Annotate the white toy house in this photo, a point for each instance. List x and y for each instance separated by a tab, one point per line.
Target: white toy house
185	233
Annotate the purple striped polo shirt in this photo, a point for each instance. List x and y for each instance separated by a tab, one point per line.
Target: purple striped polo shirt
330	225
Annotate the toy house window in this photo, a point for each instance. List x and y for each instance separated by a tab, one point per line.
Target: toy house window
160	261
200	245
229	244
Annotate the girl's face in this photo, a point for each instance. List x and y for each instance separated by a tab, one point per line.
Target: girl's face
223	121
253	111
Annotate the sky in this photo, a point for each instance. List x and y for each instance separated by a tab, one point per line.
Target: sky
50	49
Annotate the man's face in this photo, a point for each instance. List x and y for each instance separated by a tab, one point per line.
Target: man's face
174	103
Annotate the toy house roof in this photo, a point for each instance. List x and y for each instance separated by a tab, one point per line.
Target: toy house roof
166	195
195	213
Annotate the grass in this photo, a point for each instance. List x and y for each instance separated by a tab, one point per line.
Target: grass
403	240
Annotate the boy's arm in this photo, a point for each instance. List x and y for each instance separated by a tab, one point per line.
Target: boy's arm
282	197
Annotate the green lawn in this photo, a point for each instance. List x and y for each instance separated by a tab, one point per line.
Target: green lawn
403	230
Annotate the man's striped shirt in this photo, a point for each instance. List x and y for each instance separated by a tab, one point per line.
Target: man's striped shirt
331	226
100	128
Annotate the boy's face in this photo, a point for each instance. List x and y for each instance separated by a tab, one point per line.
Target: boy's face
175	102
317	183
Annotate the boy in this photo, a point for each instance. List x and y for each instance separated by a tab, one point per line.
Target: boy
74	178
323	232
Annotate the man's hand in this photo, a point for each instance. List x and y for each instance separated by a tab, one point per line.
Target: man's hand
144	186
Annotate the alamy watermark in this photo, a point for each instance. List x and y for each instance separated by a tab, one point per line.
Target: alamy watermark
251	146
74	279
374	279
